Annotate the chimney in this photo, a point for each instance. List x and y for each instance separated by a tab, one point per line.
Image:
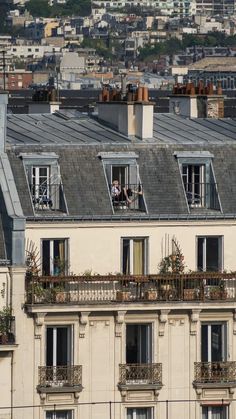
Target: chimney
132	115
197	102
3	120
44	101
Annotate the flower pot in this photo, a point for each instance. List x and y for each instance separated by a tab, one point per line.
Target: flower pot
123	295
151	295
189	294
60	297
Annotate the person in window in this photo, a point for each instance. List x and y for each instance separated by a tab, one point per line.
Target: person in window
120	194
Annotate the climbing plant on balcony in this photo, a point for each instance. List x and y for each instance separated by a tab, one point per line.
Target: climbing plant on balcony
173	263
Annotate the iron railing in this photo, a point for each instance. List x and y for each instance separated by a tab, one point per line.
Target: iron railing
140	374
68	375
7	330
214	372
47	196
127	197
202	195
198	286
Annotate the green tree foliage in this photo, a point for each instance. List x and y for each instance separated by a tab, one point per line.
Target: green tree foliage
175	46
41	8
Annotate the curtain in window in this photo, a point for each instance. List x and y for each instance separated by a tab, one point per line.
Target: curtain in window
138	262
140	413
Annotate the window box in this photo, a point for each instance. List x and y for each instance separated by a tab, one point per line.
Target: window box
218	294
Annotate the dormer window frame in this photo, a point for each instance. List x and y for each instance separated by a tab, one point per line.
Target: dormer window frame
47	194
112	162
198	180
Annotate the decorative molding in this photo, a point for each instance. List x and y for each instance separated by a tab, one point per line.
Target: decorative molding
42	397
119	320
162	321
194	319
83	321
38	323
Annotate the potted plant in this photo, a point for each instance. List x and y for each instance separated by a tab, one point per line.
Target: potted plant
60	294
5	324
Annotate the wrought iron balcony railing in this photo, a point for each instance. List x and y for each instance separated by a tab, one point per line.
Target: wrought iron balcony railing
214	372
198	286
60	376
47	196
140	374
202	195
127	197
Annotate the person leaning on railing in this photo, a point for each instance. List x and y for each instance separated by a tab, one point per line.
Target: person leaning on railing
120	194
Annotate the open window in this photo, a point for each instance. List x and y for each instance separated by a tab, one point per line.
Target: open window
214	342
124	183
45	185
134	256
209	253
58	354
54	257
138	343
198	179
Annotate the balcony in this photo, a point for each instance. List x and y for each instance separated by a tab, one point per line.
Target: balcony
60	379
140	375
127	198
202	195
205	287
214	374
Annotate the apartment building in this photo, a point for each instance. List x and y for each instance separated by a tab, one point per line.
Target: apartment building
118	261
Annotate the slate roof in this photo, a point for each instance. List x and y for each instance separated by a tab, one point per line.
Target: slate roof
78	142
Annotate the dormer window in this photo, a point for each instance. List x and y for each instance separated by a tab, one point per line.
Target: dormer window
198	179
125	187
43	174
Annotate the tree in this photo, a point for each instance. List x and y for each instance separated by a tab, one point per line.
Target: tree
39	8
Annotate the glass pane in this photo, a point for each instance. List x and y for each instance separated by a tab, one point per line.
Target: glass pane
200	243
205	412
138	262
216	343
46	257
62	346
59	262
132	344
204	343
139	413
212	254
218	412
145	344
126	257
49	348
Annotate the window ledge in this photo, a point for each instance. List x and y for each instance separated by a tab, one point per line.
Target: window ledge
140	386
60	389
225	384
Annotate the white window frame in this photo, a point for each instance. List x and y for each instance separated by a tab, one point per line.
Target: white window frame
131	253
35	181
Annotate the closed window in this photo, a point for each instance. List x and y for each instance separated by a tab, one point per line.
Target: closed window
62	414
134	256
215	412
140	413
54	257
